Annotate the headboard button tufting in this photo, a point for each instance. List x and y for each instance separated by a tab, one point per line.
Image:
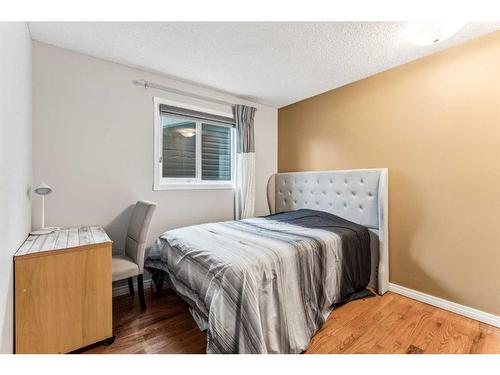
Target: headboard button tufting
350	194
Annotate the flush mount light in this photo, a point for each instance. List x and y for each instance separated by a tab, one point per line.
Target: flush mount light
430	33
187	132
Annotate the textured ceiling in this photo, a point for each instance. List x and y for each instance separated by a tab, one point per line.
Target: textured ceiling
275	63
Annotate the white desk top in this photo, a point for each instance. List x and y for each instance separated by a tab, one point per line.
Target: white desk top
63	239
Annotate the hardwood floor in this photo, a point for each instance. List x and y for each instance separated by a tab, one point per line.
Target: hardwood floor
387	324
166	326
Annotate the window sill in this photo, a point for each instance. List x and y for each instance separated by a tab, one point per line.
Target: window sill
193	187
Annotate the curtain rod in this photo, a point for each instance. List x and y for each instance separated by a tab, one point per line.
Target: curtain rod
148	84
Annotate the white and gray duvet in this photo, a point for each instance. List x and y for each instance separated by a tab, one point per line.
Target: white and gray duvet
264	285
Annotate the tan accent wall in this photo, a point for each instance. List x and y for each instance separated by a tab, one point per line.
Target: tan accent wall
435	123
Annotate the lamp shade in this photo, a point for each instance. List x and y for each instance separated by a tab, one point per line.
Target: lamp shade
43	189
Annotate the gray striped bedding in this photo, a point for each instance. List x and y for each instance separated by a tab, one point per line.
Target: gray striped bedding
264	285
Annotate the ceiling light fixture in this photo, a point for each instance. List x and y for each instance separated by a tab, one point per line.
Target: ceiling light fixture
430	33
187	132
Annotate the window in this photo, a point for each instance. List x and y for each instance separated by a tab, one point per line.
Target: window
194	148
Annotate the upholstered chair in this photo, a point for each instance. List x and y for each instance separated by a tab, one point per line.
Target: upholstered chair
131	263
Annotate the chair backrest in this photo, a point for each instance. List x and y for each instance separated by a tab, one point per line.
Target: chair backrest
137	233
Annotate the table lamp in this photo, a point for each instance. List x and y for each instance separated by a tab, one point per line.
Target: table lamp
43	189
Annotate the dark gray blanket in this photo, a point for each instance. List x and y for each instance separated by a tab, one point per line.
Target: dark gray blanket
356	265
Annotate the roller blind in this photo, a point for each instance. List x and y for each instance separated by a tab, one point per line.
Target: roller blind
168	109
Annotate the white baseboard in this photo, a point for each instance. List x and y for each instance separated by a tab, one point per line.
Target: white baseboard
469	312
123	289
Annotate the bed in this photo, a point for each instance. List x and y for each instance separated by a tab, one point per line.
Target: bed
267	284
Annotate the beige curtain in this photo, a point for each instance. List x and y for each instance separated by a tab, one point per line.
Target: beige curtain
245	161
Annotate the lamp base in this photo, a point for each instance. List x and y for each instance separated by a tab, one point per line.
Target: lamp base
39	232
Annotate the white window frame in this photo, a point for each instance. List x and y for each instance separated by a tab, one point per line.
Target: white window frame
171	183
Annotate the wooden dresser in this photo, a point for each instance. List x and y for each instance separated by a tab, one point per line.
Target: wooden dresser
63	291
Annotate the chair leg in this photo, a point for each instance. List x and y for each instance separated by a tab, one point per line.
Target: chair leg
131	285
140	288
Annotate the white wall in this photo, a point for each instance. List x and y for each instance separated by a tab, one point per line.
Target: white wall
93	143
15	162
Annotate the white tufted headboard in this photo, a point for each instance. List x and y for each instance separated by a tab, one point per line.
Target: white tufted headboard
358	195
